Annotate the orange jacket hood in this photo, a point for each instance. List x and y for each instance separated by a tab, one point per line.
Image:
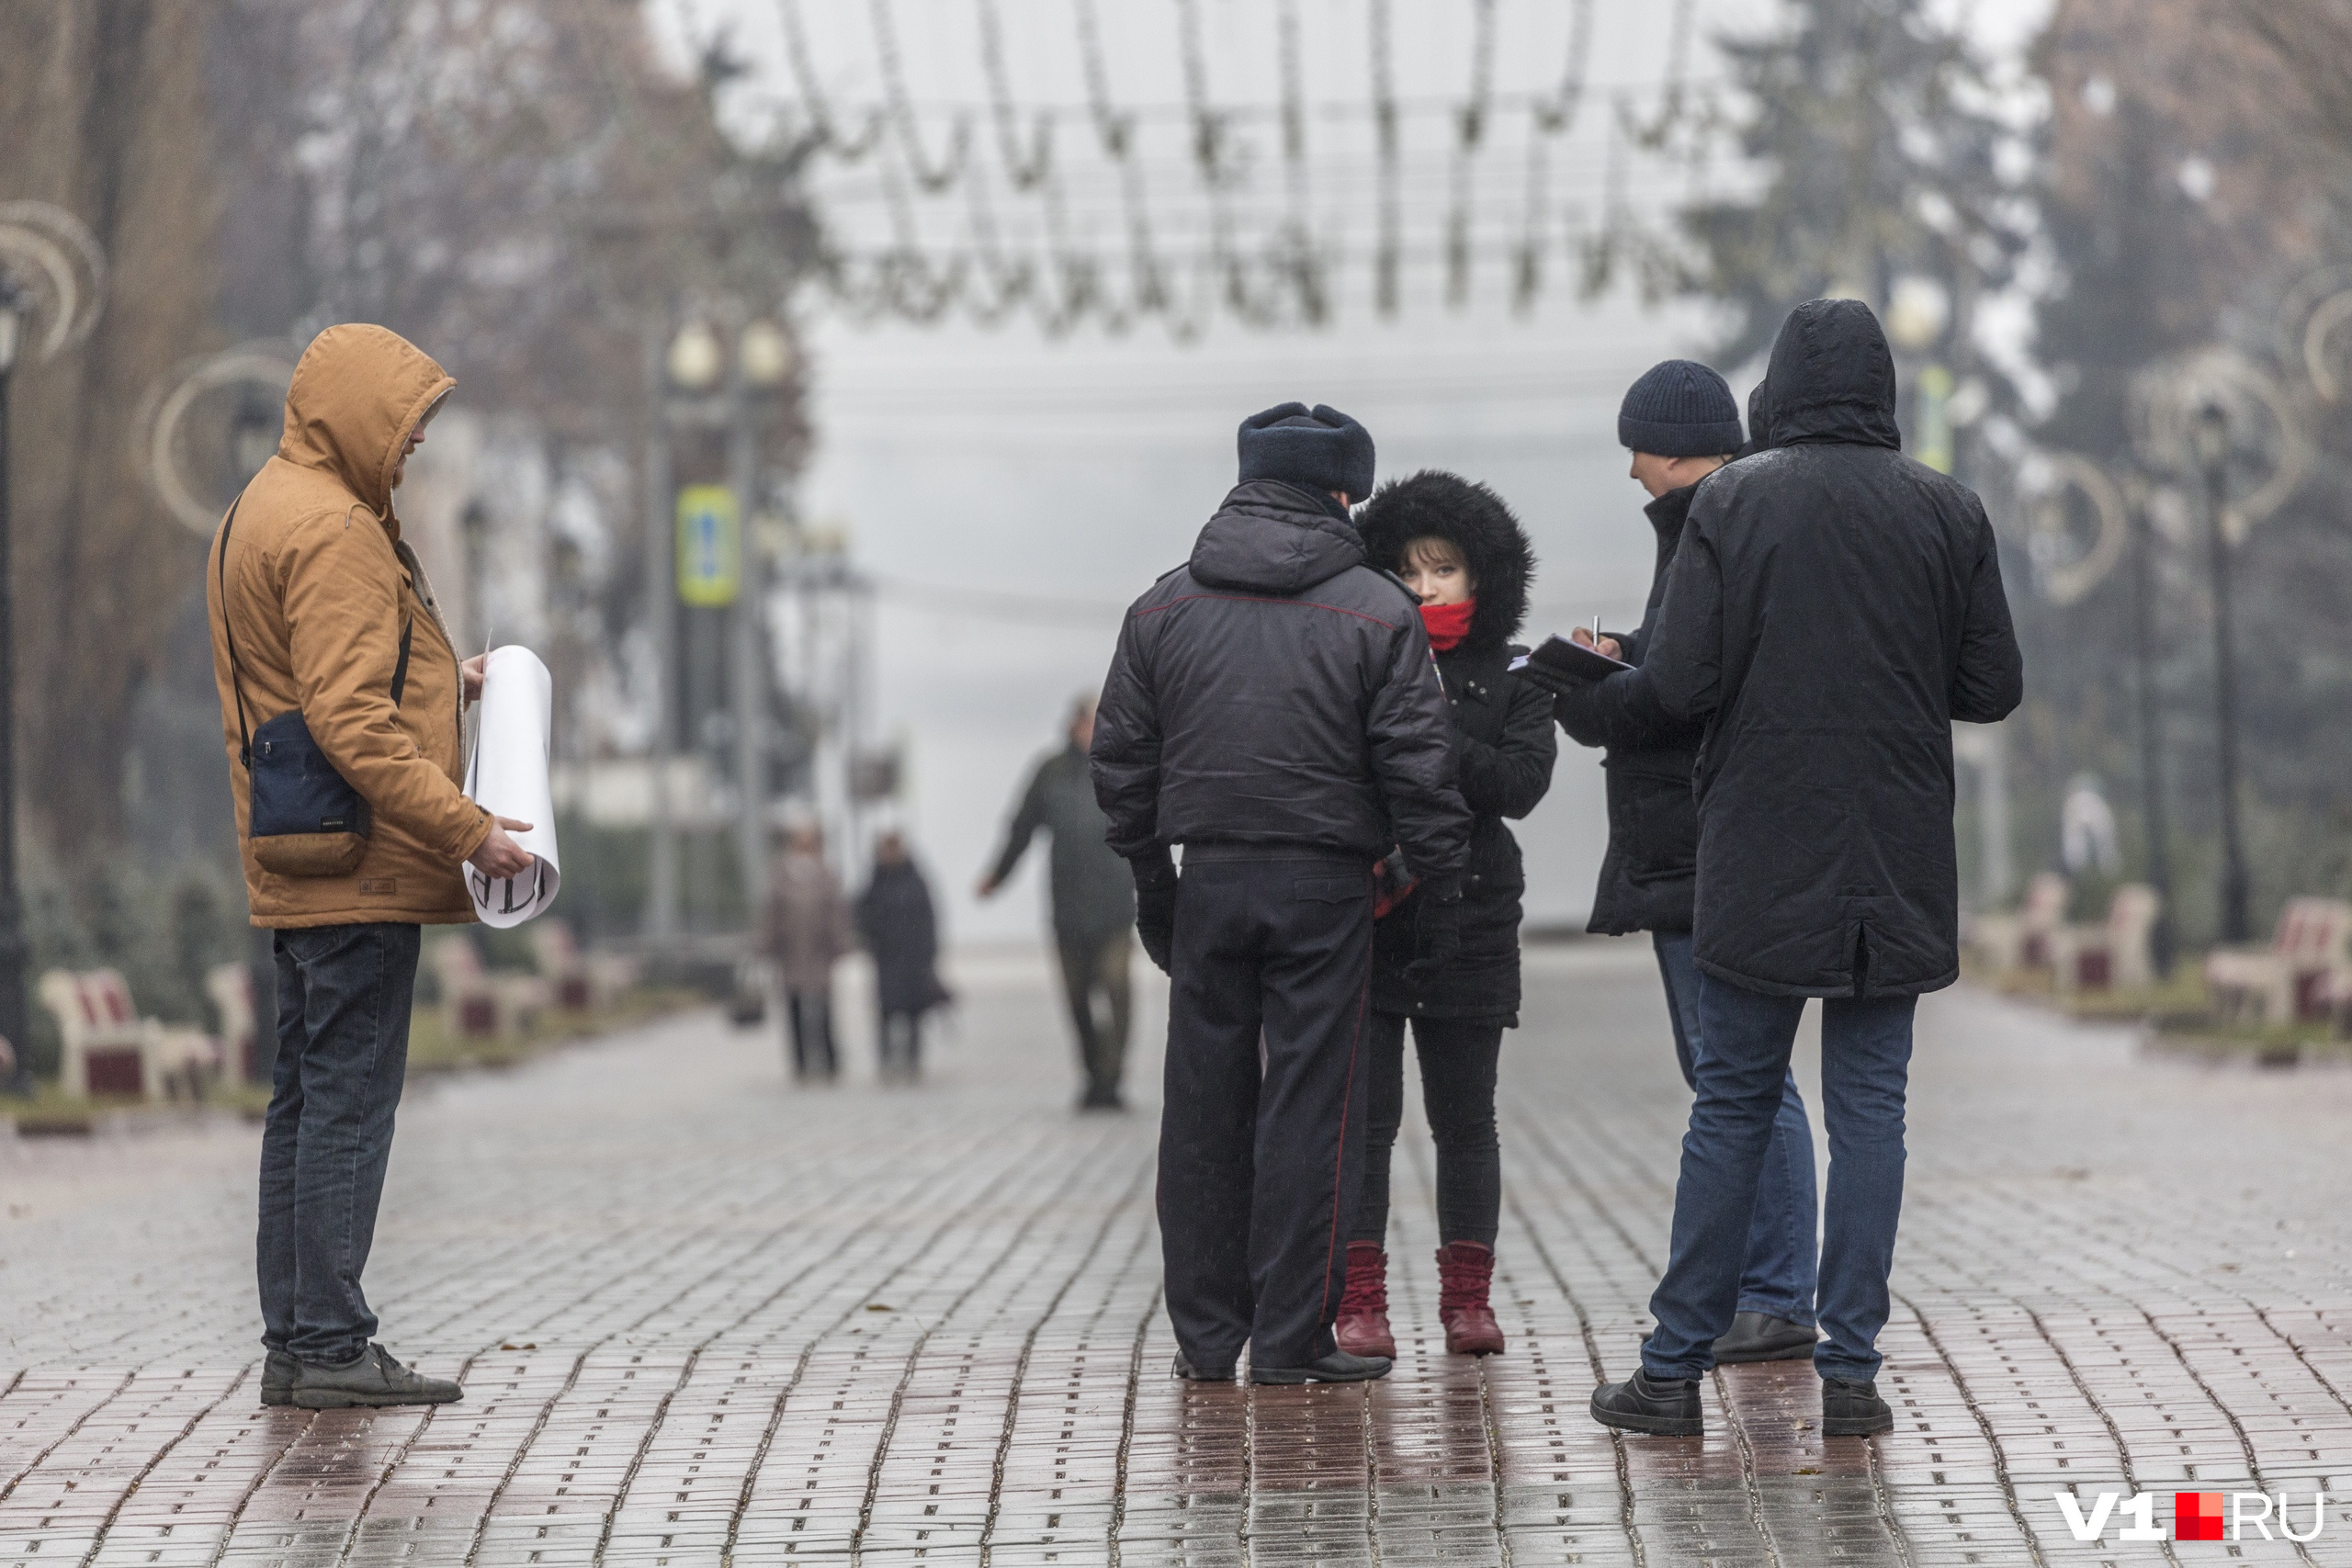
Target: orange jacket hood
358	390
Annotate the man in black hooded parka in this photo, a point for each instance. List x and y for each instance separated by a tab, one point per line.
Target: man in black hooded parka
1833	607
1273	708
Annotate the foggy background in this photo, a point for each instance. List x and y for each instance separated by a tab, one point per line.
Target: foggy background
996	466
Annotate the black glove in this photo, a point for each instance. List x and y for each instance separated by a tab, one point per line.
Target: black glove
1543	678
1156	906
1437	934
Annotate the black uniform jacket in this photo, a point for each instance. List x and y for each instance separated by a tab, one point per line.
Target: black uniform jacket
1834	607
1276	693
1652	863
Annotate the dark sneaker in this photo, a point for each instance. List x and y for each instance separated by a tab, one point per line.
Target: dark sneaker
1760	1336
371	1378
1337	1367
1664	1408
1853	1409
1191	1373
278	1369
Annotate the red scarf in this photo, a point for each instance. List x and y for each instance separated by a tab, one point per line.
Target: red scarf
1448	624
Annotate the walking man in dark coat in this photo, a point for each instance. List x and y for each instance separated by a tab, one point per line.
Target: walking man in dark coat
1273	708
1833	607
1094	905
1682	425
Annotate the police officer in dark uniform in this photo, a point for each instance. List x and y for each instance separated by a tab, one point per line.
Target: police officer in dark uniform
1273	708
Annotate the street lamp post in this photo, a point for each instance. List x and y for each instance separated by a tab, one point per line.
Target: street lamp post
2151	748
761	361
14	312
2212	440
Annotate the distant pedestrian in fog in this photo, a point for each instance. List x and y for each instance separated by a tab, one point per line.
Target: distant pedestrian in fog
1094	905
1457	547
804	931
895	916
1681	425
1833	607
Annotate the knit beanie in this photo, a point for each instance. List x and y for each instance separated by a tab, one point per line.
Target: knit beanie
1319	450
1679	409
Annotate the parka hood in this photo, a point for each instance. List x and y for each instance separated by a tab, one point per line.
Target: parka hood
1474	520
1831	379
357	391
1273	537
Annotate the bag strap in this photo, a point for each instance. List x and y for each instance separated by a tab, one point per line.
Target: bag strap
244	733
227	635
399	671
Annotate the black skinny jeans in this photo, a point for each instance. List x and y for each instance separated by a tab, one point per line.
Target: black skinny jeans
1458	1058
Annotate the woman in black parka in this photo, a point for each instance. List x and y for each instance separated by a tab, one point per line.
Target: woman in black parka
1457	547
901	931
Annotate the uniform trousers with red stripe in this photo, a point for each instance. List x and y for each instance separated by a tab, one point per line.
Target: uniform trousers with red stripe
1261	1139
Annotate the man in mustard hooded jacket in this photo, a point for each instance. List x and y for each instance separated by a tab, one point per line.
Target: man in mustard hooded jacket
319	608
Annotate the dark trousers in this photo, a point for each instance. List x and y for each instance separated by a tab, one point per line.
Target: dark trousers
1743	1063
1778	1275
1261	1139
901	1042
1094	978
809	1019
1458	1057
342	1008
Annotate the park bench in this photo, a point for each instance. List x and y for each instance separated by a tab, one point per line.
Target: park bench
2005	942
578	981
229	988
2296	977
475	1001
2113	954
109	1049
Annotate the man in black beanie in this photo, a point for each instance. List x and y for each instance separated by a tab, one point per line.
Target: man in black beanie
1273	708
1682	424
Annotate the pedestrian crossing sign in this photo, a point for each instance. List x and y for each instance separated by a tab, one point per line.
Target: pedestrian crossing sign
710	545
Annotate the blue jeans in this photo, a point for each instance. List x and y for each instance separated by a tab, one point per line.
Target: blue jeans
1865	1067
1777	1277
343	1009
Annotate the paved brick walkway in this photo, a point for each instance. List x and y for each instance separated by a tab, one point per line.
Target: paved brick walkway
702	1319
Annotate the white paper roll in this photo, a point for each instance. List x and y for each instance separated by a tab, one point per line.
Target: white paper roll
509	778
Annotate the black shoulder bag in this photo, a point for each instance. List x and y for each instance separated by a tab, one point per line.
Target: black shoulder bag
301	816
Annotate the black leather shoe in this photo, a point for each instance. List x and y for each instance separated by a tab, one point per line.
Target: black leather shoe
370	1380
1191	1373
1853	1409
1760	1336
1337	1367
1667	1409
278	1369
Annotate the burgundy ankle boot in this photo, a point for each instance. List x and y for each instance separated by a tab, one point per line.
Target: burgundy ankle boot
1363	1329
1464	1269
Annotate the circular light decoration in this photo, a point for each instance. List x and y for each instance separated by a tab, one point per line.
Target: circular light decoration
2267	437
2065	568
260	370
49	253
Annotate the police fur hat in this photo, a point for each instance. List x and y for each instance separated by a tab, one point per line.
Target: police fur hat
1474	520
1319	448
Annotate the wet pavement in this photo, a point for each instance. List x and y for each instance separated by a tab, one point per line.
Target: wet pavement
702	1318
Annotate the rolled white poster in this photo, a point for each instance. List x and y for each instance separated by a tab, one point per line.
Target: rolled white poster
509	778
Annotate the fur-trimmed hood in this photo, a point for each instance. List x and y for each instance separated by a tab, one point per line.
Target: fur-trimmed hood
1434	503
